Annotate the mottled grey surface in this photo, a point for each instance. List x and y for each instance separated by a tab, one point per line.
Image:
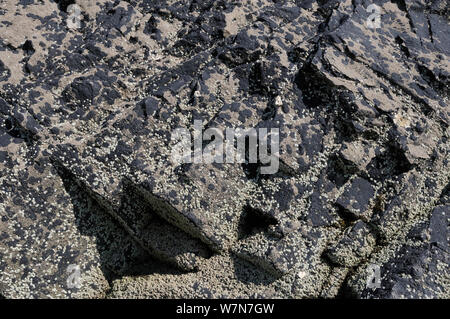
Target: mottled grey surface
86	176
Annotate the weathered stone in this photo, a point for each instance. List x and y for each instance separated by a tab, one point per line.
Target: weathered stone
357	244
89	101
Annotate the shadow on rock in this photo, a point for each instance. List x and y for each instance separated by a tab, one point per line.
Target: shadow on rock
120	255
248	273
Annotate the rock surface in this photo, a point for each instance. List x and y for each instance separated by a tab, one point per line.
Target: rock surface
89	99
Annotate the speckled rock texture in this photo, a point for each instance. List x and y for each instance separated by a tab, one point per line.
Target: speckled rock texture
87	180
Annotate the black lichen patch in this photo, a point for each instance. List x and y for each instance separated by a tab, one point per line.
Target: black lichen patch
27	47
5	73
64	4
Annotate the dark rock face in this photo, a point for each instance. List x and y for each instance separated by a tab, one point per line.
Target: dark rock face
356	198
89	189
439	227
